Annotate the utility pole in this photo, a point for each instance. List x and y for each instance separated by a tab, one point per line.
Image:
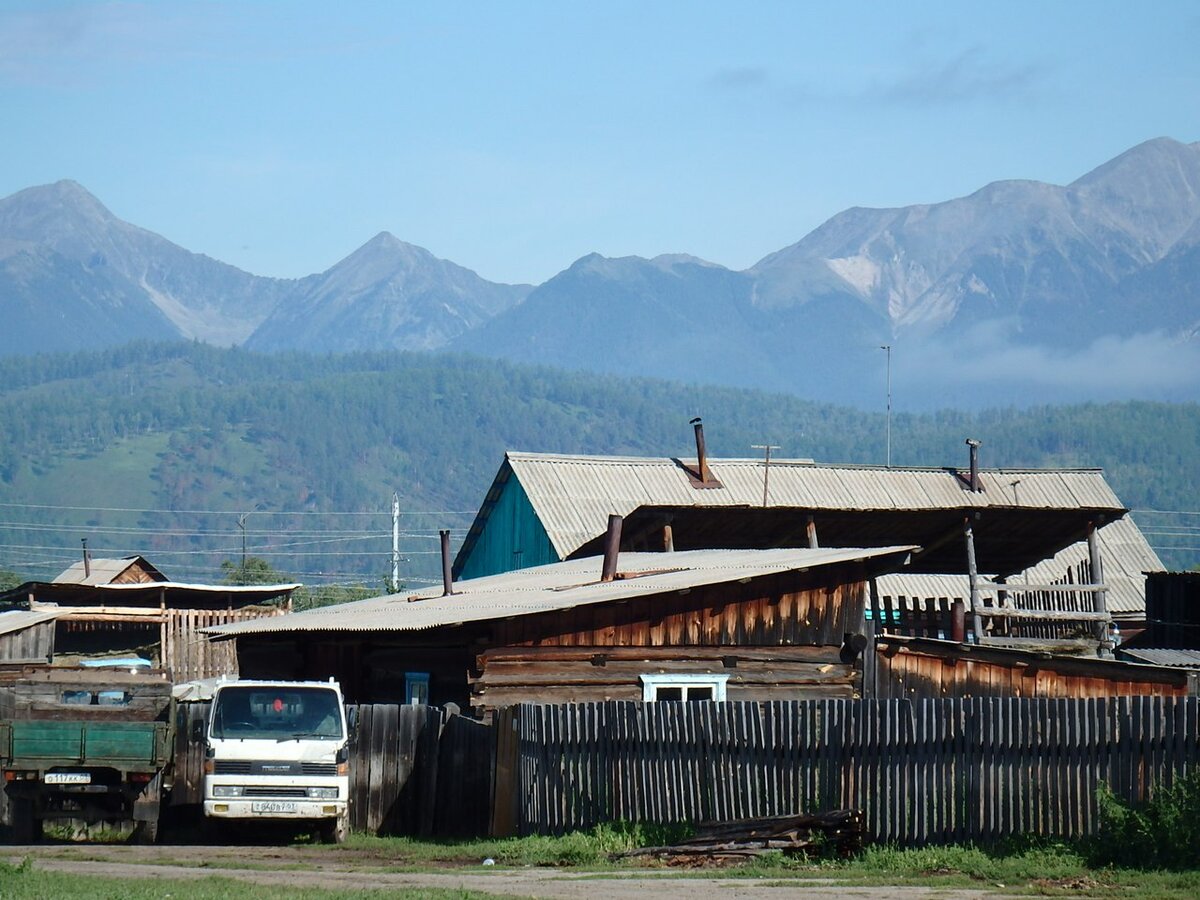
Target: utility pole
766	465
888	349
241	522
242	526
395	541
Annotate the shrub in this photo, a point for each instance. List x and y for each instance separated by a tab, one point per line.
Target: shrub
1162	833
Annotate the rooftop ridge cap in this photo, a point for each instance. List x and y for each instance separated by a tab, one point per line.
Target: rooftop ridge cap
791	461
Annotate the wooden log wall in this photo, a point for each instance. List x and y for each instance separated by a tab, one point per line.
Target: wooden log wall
513	675
924	771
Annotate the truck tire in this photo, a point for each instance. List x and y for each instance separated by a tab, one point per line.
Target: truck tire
26	827
335	831
145	832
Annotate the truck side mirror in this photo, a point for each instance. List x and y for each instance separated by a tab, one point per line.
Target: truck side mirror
198	731
352	724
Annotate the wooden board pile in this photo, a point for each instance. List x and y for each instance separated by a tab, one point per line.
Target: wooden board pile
840	831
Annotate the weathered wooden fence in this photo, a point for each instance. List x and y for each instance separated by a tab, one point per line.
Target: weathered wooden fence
924	771
413	770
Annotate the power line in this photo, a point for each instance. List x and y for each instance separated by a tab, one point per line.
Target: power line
235	512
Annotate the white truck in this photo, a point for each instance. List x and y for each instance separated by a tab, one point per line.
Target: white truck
279	750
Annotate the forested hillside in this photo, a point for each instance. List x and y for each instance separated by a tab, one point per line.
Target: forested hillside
179	451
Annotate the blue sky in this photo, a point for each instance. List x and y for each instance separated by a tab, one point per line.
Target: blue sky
513	138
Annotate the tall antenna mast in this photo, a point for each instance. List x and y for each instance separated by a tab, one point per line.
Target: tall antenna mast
395	585
888	348
766	465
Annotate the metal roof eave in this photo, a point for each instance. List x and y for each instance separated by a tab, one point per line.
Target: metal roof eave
560	586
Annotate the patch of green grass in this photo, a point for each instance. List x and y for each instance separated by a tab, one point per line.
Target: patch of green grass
1035	868
592	848
25	883
1018	867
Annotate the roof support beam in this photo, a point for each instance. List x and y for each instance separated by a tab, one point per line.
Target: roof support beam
1097	565
973	578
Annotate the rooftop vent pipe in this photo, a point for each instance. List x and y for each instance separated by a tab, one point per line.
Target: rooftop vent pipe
974	445
87	559
447	578
701	453
612	547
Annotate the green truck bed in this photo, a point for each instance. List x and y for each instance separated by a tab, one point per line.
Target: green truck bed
121	745
88	745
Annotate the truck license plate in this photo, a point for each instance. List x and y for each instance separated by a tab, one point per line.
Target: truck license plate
272	806
68	778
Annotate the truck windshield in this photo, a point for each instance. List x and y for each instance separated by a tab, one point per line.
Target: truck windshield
277	713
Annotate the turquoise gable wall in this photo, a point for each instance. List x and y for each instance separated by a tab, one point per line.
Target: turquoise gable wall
513	537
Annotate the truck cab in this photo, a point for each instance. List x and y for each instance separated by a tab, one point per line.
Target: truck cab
279	750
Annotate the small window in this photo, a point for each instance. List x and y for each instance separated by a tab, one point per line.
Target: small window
416	688
698	688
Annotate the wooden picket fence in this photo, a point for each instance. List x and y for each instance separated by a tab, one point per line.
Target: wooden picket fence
923	771
926	771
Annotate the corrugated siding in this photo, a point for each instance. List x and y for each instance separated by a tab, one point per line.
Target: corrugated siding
1187	659
512	526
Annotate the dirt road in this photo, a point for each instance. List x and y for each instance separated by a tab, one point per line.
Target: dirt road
340	869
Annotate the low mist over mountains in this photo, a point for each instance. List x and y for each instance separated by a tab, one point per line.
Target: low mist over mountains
1019	291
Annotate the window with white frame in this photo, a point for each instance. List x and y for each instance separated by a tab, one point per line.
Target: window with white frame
690	688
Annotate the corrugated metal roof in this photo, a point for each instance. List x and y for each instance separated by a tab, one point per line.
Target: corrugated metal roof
553	587
18	619
574	495
1184	659
1124	554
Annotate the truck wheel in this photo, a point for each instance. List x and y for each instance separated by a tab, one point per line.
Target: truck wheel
145	832
335	831
26	827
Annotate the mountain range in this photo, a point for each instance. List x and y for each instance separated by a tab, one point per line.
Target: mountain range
1021	289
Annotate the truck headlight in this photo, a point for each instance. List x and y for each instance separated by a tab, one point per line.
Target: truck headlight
227	790
326	793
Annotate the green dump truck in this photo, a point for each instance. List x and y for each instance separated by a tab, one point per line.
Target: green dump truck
88	745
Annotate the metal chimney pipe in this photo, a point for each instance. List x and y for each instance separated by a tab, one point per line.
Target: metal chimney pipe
958	622
612	547
87	559
974	445
701	452
447	578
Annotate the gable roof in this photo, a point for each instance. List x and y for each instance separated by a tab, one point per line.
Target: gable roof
1033	513
109	571
558	586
